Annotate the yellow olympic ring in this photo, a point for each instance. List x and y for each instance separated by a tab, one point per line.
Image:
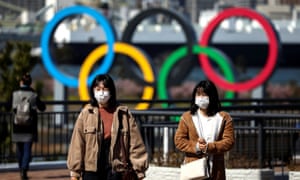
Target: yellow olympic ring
128	50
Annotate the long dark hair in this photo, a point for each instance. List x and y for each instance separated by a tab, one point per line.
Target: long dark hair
210	89
108	83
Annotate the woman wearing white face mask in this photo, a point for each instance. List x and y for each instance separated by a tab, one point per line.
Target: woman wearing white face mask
102	128
205	130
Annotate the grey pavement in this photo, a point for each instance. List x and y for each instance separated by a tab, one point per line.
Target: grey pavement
58	170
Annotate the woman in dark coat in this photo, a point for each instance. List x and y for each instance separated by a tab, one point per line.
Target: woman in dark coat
25	134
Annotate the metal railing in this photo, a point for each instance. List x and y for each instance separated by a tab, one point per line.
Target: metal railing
263	140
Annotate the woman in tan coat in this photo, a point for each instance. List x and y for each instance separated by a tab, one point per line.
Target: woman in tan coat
205	130
102	128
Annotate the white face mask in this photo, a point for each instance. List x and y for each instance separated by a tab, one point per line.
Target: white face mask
102	96
202	102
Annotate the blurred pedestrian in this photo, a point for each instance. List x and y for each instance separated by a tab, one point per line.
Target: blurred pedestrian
25	104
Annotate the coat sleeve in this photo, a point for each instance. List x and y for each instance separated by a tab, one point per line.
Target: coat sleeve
76	149
138	154
182	139
226	140
40	104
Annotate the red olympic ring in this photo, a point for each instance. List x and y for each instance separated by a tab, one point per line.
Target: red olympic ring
271	59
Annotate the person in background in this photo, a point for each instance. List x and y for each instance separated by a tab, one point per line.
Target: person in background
205	130
25	134
101	129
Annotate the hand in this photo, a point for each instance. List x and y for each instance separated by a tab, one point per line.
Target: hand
202	144
203	147
201	141
74	178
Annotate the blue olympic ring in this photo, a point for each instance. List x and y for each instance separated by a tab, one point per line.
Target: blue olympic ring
48	32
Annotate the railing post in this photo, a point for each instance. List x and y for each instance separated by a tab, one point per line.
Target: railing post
166	144
260	142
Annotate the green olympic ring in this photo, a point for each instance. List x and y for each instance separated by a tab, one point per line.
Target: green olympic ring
215	55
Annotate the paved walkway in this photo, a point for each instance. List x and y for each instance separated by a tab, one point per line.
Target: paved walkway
61	174
58	170
38	171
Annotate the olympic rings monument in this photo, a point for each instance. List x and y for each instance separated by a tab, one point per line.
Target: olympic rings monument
156	79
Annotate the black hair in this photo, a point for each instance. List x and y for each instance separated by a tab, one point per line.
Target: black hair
26	79
108	83
210	89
